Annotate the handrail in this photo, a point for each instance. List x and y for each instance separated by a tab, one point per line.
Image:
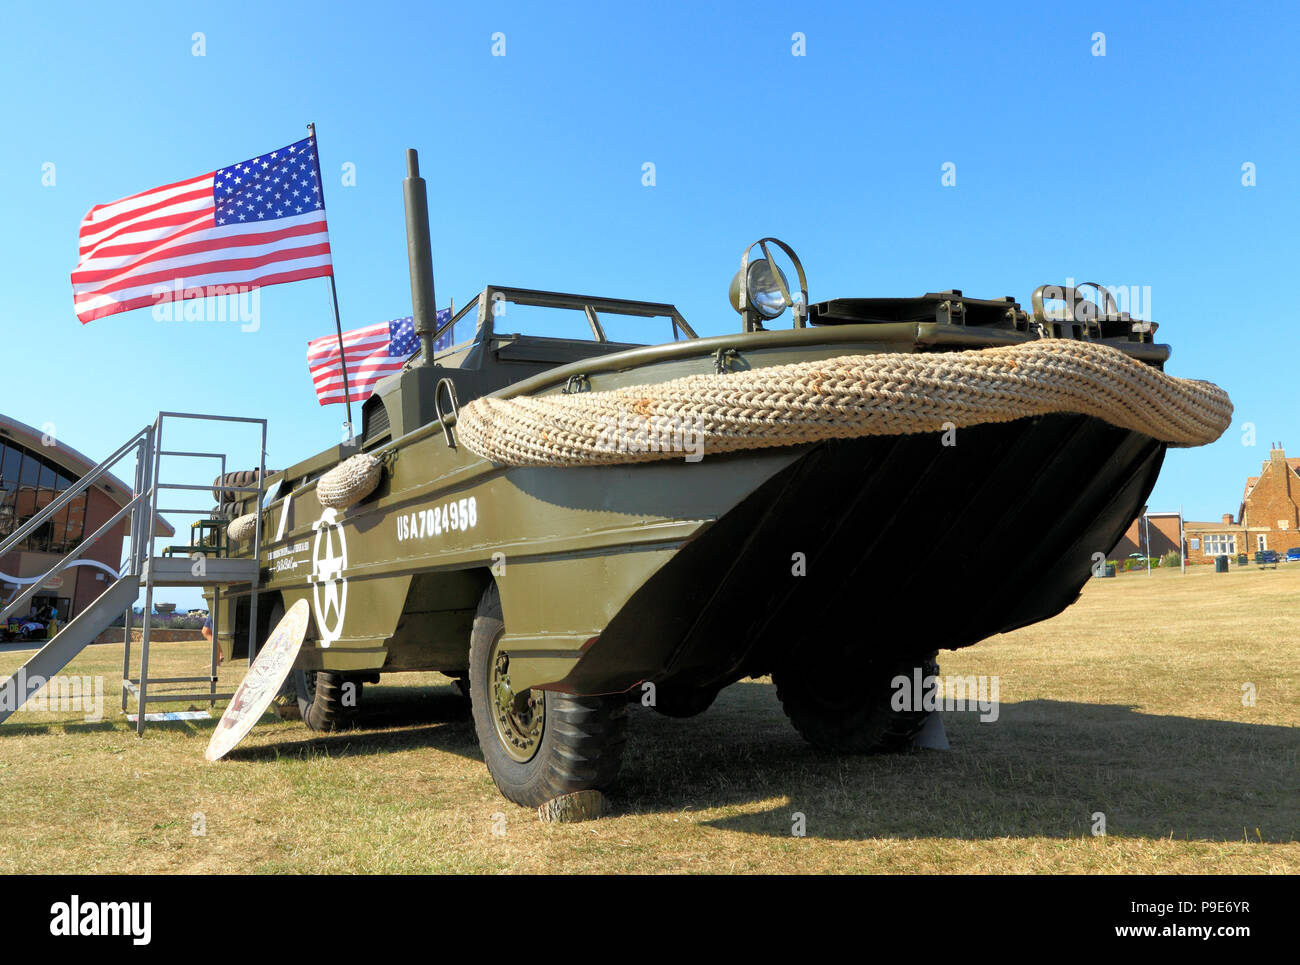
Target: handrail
81	485
25	595
142	512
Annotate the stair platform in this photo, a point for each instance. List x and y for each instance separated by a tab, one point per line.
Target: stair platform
178	571
142	569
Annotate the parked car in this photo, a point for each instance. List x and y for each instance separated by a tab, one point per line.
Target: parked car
1293	554
1266	558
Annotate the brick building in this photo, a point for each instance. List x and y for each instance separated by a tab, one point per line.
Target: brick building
1267	519
1151	534
33	472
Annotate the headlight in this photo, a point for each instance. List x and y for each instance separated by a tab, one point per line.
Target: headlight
760	290
764	291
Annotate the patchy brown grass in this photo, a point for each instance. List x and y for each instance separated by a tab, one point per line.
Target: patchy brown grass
1129	704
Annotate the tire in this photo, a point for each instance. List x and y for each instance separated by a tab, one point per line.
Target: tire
557	743
679	702
851	712
321	699
241	478
327	701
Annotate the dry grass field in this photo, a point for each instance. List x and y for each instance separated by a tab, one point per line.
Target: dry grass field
1129	704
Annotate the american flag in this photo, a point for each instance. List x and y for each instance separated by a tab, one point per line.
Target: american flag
259	222
373	352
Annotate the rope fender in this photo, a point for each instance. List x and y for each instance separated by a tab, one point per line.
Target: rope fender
350	481
845	397
242	528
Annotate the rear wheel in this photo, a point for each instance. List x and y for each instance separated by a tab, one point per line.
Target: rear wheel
677	701
852	709
537	745
327	700
324	700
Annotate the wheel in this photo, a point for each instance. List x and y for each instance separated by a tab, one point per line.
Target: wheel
850	709
327	700
240	479
322	699
679	702
541	744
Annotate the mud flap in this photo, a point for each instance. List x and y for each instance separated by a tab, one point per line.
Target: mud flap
932	736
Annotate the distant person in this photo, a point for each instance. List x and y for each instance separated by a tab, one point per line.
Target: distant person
207	635
52	626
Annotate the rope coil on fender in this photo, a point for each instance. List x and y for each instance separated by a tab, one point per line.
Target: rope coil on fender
846	397
350	481
242	527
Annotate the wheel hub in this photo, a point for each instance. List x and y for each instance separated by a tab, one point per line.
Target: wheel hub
519	718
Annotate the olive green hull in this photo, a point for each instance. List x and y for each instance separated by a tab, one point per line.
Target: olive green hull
699	574
689	572
881	547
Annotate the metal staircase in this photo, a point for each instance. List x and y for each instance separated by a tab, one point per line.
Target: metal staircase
140	570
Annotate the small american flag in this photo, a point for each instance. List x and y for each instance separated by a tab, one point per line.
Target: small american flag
373	352
259	222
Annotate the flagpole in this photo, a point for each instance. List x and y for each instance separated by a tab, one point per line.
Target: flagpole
334	294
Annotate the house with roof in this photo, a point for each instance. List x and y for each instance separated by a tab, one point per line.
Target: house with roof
1268	517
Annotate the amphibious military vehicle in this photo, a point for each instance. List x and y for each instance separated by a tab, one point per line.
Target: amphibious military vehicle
682	558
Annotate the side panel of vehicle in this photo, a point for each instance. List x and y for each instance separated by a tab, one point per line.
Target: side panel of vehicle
567	547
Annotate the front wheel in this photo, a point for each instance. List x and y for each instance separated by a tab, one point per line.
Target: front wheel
858	710
537	745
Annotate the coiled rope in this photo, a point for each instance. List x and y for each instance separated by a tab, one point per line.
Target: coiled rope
845	397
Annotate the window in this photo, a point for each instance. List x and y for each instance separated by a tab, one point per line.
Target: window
463	328
1262	541
1220	544
28	483
1194	543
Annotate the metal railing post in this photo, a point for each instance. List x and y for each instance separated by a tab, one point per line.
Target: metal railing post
257	550
132	570
147	551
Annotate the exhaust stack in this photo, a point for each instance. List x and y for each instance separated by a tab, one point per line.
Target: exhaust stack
420	255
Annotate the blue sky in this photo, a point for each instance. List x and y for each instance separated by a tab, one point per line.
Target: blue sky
1124	169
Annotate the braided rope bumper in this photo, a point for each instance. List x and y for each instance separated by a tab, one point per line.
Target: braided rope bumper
845	397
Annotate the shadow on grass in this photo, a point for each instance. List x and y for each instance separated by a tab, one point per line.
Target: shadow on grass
59	727
394	719
1044	768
